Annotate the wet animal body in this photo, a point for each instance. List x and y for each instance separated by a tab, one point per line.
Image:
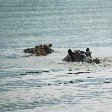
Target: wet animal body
41	50
81	56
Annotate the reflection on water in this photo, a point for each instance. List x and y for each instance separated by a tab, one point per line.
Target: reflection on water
74	23
42	91
26	84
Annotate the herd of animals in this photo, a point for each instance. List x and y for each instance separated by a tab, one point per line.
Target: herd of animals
73	56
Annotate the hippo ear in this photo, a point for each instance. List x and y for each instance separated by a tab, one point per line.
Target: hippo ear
87	49
50	45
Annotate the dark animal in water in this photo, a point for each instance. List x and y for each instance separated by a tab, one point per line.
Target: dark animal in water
80	56
40	50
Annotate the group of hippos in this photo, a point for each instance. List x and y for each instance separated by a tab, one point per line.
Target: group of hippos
73	56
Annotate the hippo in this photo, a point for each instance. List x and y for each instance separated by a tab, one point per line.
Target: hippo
80	56
41	50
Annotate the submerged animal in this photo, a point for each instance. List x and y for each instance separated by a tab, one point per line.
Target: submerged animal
80	56
41	50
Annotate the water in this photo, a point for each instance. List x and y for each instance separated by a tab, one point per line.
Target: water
75	23
47	84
